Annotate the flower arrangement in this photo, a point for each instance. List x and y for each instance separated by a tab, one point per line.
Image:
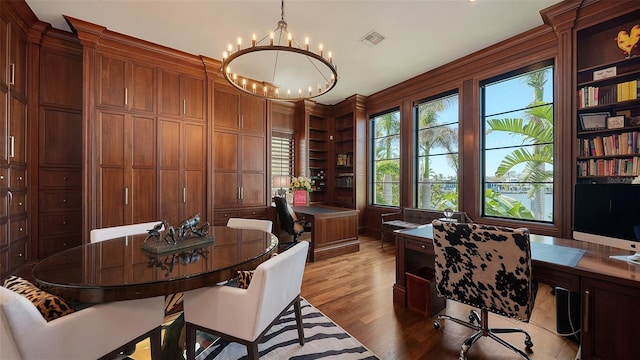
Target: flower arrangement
301	183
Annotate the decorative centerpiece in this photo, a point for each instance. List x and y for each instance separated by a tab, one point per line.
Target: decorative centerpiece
300	186
189	234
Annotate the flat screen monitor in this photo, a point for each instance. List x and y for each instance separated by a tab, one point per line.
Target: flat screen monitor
608	214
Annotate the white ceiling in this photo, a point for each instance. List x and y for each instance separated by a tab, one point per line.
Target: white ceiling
420	35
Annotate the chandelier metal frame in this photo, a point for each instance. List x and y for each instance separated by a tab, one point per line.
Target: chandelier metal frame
267	89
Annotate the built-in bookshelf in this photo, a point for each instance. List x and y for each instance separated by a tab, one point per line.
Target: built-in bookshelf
318	157
607	104
344	170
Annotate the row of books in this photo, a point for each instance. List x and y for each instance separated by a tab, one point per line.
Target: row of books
626	143
609	167
609	94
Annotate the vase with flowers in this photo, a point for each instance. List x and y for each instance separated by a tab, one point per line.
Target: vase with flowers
300	186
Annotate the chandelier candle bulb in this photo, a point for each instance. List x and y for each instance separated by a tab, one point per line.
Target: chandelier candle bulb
330	58
290	39
244	84
271	35
224	56
239	43
253	40
299	92
320	47
310	91
235	77
264	92
306	43
254	88
288	93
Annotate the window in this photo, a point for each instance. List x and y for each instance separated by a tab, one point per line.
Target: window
385	158
517	144
281	161
437	153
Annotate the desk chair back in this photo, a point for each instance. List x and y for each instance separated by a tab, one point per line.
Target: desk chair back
95	332
245	315
289	221
487	267
255	224
97	235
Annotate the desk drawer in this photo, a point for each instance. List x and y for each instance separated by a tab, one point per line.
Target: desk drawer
58	178
17	229
221	217
17	178
17	203
4	177
61	224
65	200
422	246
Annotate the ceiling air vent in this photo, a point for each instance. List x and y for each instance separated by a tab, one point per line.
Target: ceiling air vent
372	39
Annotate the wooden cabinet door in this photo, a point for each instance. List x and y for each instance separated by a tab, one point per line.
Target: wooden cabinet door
4	49
605	304
253	114
194	150
169	189
111	82
226	109
142	88
4	137
111	168
182	170
18	63
193	99
17	132
126	178
142	178
169	93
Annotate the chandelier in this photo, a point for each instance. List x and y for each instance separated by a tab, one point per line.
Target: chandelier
277	67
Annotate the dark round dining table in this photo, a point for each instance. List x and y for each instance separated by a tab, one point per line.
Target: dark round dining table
134	267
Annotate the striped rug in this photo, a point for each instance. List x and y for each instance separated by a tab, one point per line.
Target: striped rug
324	339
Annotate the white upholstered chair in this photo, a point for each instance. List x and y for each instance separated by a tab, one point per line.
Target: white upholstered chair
91	333
241	223
245	315
97	235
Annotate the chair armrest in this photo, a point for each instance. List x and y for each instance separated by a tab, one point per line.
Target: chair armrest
390	216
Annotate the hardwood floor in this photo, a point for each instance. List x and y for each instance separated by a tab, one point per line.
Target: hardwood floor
355	290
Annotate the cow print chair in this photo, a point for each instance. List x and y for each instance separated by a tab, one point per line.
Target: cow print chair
489	268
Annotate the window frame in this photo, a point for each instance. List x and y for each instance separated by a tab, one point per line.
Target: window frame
549	63
372	156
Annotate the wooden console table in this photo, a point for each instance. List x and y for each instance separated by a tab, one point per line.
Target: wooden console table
334	230
609	288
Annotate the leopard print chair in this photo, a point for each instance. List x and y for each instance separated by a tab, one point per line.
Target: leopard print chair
489	268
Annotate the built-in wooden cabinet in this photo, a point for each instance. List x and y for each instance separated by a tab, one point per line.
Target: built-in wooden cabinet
240	148
319	157
14	210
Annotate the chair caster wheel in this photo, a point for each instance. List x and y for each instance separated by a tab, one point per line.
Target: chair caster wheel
528	345
436	324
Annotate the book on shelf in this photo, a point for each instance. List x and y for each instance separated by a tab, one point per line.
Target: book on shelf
609	167
626	143
602	95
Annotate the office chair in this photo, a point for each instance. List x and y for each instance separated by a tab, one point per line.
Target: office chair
487	267
289	221
245	315
256	224
99	331
97	235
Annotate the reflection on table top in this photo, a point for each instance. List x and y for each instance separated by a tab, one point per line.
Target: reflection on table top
120	269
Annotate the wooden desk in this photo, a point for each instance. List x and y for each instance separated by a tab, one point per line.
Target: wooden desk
334	230
609	288
119	269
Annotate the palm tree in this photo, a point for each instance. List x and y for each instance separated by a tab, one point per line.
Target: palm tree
386	168
433	135
536	129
